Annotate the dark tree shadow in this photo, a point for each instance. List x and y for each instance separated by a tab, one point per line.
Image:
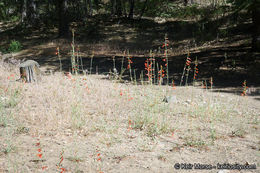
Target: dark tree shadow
229	62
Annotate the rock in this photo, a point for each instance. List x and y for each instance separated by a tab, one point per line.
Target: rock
115	71
14	61
170	99
159	20
187	102
223	171
3	98
85	72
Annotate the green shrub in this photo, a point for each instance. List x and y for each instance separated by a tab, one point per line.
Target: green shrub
3	50
15	46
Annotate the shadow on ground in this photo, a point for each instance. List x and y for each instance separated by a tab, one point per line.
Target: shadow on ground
223	54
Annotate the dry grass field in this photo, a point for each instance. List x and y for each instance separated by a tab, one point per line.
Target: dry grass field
88	123
173	88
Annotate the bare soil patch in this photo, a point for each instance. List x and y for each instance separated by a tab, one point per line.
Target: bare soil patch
103	125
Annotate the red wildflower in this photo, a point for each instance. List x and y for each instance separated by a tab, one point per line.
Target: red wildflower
204	86
39	155
148	67
62	170
44	167
165	45
61	159
244	88
173	85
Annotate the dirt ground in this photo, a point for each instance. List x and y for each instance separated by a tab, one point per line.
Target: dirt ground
91	124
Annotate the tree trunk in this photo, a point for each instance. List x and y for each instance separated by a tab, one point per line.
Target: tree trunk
29	71
77	10
131	12
86	7
96	4
48	6
118	8
31	12
90	7
23	10
63	18
47	19
124	8
143	9
113	7
256	26
185	2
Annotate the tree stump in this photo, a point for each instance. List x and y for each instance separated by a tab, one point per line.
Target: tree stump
29	71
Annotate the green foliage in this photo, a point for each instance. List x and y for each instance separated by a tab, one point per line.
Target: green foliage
160	8
9	9
248	5
14	18
14	46
174	10
192	141
2	7
3	50
188	11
